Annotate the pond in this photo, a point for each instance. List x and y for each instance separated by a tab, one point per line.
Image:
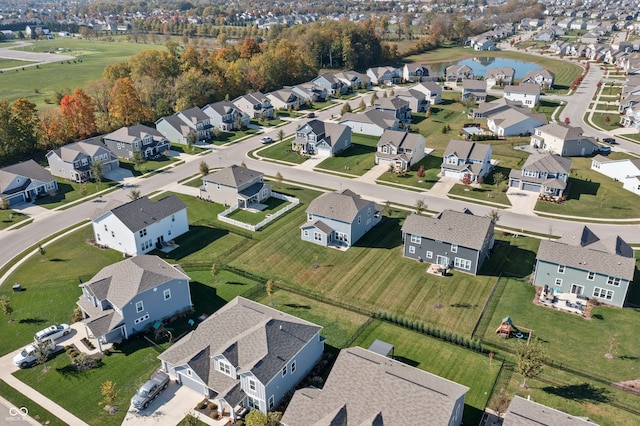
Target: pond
481	65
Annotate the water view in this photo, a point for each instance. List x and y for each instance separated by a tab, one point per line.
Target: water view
481	65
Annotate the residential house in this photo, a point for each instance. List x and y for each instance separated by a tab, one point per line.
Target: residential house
544	174
546	35
255	105
564	140
586	265
198	121
430	88
524	412
418	101
590	38
127	297
333	85
226	116
365	387
25	181
488	109
235	186
354	80
559	47
284	99
309	92
125	141
527	93
322	138
474	90
631	117
384	76
370	122
245	355
544	78
625	171
174	129
339	219
400	150
500	76
73	161
141	225
462	158
515	121
482	43
457	73
415	73
453	240
395	106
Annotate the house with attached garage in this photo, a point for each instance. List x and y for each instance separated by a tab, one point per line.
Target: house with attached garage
255	105
354	80
395	106
543	78
321	138
625	171
235	186
224	115
370	122
174	129
544	174
413	73
333	85
474	90
586	265
339	219
127	140
515	121
430	88
73	161
524	412
400	150
527	94
499	76
384	76
285	99
418	101
453	240
141	225
198	121
25	181
458	73
367	388
465	157
309	92
129	296
563	139
245	356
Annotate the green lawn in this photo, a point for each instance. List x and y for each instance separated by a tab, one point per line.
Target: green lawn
593	195
184	149
227	137
69	192
635	137
38	413
10	63
600	120
485	192
10	217
356	160
147	167
253	218
282	151
546	107
431	165
443	359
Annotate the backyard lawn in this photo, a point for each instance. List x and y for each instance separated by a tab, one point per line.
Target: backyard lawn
10	217
253	218
184	149
356	160
69	192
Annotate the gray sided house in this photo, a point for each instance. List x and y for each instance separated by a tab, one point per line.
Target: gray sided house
583	264
366	388
245	355
457	73
354	80
333	85
126	140
384	76
127	297
524	412
73	161
235	186
395	106
309	92
226	116
255	105
197	121
453	240
400	150
474	90
543	78
413	72
418	101
462	158
285	99
173	128
544	174
322	138
430	88
370	122
564	140
25	181
339	219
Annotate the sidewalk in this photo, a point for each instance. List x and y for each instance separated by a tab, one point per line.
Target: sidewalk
372	175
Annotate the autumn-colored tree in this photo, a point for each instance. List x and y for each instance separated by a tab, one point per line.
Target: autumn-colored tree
249	47
125	106
109	392
421	171
100	93
204	168
79	113
190	59
25	124
53	130
193	89
567	121
117	70
607	119
466	179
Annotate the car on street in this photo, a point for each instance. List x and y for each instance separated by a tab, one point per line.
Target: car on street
52	333
266	140
150	390
611	141
27	357
311	115
603	149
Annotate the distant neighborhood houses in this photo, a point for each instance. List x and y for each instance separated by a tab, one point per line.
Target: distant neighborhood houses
73	161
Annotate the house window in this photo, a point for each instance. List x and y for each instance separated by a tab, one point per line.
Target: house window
141	319
189	372
167	294
293	367
139	306
98	237
429	255
284	371
173	218
113	234
559	282
306	233
602	293
317	236
561	269
105	228
359	219
309	217
412	249
224	368
271	402
454	248
591	275
462	263
253	403
416	239
143	232
613	281
252	385
218	186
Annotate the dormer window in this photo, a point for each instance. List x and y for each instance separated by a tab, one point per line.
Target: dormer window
224	368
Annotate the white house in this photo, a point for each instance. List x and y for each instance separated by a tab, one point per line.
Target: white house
528	94
515	121
562	139
399	149
141	225
461	158
371	122
626	171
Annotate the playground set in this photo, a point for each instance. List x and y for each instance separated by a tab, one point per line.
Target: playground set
507	329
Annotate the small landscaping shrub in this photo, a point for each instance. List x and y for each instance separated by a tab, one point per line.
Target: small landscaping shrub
201	405
213	415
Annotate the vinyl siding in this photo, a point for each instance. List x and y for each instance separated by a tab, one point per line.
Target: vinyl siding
441	248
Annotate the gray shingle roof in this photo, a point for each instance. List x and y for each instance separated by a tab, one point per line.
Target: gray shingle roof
88	147
450	226
475	85
140	213
522	412
399	138
583	249
562	131
466	150
177	123
526	88
342	206
548	163
133	133
374	116
28	169
233	176
365	388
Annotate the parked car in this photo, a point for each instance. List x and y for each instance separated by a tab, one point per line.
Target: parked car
311	115
266	140
150	390
603	149
52	333
611	141
27	356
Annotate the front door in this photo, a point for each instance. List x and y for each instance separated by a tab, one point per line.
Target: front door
442	260
577	289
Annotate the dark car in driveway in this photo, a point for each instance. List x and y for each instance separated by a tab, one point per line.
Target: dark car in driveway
611	141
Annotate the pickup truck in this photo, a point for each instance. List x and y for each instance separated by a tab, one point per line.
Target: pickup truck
150	390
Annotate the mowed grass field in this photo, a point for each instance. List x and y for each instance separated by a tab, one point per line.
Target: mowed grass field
94	56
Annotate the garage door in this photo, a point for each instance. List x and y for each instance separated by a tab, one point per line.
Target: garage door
451	173
531	187
515	183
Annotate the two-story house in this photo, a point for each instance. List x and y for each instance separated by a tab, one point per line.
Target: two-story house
395	106
197	121
73	161
525	412
235	186
400	150
474	90
543	78
25	181
415	73
333	85
514	121
418	100
430	88
453	240
563	139
586	265
125	141
457	73
499	76
309	92
466	157
141	225
361	386
174	129
339	219
354	80
226	116
127	297
527	93
245	355
321	138
255	105
370	122
544	174
384	76
284	99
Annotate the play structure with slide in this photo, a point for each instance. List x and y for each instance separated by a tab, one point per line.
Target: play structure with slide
508	329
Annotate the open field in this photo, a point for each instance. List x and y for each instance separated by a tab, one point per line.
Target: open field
356	160
10	63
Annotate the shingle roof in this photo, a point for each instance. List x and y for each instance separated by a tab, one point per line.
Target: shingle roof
450	226
583	249
466	149
399	138
365	388
132	133
373	116
28	169
194	114
526	88
89	147
548	163
140	213
562	131
233	176
342	206
499	71
476	85
522	412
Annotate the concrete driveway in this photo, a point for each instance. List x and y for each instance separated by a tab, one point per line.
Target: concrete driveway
522	202
118	175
